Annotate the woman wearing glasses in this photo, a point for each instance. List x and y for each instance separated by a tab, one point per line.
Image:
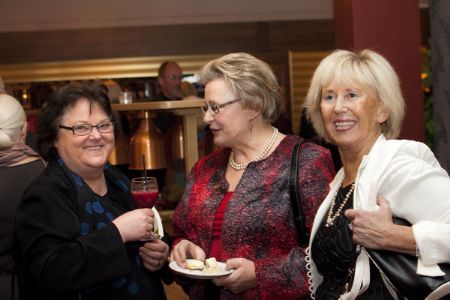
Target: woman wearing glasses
77	230
236	204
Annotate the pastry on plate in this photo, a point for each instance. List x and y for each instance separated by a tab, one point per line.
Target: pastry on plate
194	264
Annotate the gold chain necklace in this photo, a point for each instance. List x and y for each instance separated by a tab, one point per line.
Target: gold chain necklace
331	217
260	156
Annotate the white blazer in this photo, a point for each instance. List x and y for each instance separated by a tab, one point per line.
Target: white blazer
409	177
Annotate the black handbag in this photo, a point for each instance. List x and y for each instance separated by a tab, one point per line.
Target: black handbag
296	197
399	270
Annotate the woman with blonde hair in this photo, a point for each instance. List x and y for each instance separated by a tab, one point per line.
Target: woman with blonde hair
355	102
19	164
236	206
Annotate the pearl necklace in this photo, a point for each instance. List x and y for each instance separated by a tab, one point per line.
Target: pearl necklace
260	156
331	217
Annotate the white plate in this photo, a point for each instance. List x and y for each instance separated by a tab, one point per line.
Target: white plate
203	274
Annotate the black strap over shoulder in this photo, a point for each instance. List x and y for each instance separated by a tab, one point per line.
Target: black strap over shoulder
296	197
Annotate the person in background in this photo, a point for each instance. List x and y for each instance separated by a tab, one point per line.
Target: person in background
236	204
78	234
2	86
170	87
19	164
169	81
170	84
355	102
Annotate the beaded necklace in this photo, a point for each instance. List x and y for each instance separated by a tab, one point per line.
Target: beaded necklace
331	217
260	156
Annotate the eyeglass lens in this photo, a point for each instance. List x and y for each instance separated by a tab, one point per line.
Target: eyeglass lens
215	108
87	128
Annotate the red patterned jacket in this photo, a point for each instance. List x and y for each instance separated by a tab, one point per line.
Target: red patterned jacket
258	222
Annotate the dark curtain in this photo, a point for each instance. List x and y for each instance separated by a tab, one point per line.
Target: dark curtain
440	56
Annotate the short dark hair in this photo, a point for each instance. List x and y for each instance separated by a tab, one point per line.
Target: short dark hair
67	96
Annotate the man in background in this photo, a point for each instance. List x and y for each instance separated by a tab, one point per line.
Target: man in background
170	87
169	81
2	86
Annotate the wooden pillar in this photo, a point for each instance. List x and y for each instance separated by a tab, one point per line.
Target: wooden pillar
391	28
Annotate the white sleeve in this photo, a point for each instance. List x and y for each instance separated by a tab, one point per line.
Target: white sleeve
433	240
418	190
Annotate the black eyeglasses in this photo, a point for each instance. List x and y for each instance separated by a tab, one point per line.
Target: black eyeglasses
86	129
215	108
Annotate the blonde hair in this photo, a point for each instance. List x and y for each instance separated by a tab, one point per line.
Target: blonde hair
367	68
12	119
251	79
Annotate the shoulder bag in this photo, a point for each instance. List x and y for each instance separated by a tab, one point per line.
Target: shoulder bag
399	271
296	197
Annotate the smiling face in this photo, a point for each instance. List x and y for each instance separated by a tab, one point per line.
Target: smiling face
352	116
231	125
89	153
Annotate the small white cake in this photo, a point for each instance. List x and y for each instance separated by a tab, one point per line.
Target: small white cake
211	263
194	264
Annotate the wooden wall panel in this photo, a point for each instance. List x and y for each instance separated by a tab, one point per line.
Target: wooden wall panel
253	37
301	36
145	66
28	56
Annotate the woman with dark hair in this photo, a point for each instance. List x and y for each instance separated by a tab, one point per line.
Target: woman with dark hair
78	234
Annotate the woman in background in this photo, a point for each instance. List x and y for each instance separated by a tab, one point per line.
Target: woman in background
19	164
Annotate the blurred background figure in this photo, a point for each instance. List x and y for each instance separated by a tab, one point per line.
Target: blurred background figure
19	165
113	88
169	81
2	86
170	84
171	87
78	233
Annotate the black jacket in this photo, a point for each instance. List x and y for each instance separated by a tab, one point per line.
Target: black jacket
57	258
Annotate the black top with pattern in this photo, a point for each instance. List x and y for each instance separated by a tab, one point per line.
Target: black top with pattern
334	254
67	247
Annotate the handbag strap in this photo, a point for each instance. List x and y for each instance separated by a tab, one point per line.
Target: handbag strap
297	197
